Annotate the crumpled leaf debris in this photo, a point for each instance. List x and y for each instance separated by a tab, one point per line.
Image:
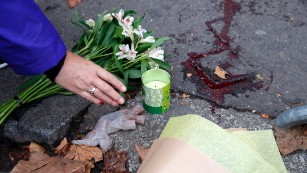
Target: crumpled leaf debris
86	154
115	161
125	119
291	139
39	162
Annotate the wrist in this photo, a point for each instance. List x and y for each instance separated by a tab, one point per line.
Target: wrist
54	71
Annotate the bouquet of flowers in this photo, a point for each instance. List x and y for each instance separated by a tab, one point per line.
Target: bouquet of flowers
116	41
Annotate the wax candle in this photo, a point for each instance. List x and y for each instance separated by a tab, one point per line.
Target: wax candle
155	84
156	91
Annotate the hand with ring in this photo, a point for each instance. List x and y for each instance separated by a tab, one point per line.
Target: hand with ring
90	81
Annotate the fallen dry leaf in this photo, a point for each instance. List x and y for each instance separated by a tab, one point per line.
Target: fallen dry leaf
184	95
141	152
259	77
291	139
34	147
80	152
266	116
220	72
42	163
189	74
115	161
61	146
278	95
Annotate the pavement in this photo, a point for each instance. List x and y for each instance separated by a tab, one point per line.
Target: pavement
261	44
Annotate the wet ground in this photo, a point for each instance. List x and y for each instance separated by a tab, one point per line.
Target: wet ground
261	44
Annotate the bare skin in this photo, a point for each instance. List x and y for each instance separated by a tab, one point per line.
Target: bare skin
79	75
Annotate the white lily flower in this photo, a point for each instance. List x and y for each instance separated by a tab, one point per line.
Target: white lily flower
139	31
124	49
149	39
132	53
119	16
128	21
107	18
128	32
157	53
90	22
125	52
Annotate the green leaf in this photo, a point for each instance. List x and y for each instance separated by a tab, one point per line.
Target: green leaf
118	33
81	21
119	65
162	64
138	21
31	81
144	65
85	40
122	80
129	12
109	34
143	47
159	42
103	32
148	33
98	23
126	77
134	73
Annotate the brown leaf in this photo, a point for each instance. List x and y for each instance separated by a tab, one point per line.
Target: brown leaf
141	152
266	116
41	163
184	95
220	72
61	146
115	161
86	154
291	139
34	147
189	74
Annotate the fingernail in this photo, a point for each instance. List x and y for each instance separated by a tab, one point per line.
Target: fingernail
123	89
121	101
101	102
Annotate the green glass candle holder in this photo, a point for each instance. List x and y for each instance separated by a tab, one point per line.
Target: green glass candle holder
156	91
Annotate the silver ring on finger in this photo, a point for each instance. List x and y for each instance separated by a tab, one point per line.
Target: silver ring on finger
92	91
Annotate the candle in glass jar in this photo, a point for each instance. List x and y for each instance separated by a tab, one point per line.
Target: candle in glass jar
155	84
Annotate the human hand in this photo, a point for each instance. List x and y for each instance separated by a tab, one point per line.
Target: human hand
79	75
73	3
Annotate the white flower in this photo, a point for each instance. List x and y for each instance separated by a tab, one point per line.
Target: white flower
128	32
108	17
139	31
119	16
125	52
149	39
132	53
90	22
128	21
157	53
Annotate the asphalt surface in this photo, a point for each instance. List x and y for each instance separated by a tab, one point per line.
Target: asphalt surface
263	42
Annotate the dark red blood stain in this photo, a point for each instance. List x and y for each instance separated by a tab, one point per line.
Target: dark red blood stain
209	85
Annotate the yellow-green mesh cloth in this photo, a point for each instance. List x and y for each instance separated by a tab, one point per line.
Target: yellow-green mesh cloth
238	152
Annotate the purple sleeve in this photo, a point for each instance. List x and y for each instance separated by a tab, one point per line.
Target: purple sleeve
28	41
